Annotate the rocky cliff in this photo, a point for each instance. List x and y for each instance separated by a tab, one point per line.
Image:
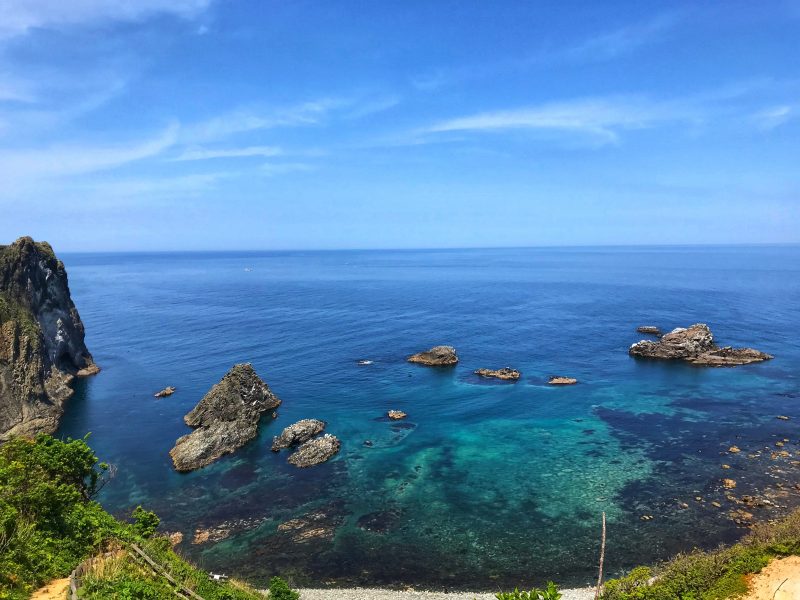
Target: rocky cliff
41	339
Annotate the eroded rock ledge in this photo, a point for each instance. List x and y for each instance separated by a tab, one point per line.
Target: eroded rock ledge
695	344
438	356
225	419
41	339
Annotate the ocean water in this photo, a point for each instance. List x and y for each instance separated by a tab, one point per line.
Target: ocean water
486	484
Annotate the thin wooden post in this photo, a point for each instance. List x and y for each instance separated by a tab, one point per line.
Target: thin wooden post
602	559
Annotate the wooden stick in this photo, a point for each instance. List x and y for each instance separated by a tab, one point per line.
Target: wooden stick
602	558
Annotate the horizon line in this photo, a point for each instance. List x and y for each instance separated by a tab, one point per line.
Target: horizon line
438	249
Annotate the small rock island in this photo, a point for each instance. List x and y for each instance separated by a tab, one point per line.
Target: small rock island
560	380
316	451
297	433
506	373
225	419
695	344
438	356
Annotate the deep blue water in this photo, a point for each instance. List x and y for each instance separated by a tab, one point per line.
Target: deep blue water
485	484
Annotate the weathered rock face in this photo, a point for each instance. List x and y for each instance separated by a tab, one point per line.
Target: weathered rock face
297	433
41	339
505	373
438	356
225	419
696	345
316	451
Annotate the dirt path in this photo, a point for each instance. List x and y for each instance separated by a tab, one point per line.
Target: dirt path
780	580
55	590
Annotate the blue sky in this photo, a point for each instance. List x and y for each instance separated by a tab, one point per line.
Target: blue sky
236	124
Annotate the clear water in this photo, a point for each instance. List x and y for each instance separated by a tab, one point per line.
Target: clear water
485	485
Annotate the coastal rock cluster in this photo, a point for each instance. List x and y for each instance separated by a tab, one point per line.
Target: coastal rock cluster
42	344
297	433
695	344
311	450
225	419
438	356
506	373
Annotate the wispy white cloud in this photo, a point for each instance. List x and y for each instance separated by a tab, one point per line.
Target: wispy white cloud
243	120
200	153
599	118
65	160
20	16
612	44
773	117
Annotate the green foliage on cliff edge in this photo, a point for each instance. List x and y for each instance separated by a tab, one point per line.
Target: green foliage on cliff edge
49	523
714	575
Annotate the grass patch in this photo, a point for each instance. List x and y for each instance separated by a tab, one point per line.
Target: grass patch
713	575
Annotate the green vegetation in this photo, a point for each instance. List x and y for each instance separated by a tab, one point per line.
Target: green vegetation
13	311
122	574
548	593
49	524
714	575
280	590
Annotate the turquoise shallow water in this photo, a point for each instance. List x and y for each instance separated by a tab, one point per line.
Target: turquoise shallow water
485	484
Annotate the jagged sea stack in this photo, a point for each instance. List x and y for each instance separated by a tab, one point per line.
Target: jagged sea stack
41	339
225	419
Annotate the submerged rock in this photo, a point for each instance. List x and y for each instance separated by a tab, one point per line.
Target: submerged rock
41	339
167	391
225	419
558	380
316	451
651	329
438	356
396	415
506	373
297	433
696	345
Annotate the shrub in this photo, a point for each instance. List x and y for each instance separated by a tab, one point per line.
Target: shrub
548	593
280	590
145	522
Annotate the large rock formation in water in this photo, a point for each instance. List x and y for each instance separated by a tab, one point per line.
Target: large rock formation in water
438	356
41	339
225	419
696	345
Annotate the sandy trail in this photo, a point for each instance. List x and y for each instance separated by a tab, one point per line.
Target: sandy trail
780	580
55	590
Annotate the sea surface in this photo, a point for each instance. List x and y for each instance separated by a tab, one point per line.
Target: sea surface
485	485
